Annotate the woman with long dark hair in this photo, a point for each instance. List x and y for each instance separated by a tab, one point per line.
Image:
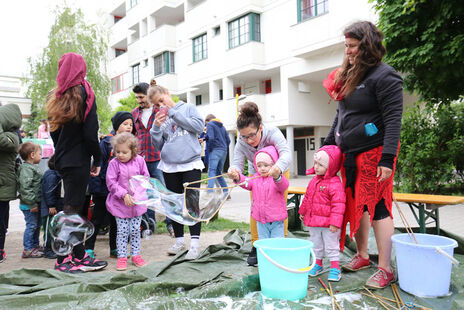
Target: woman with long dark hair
72	112
367	128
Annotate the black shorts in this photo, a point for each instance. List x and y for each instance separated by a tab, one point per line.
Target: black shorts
380	212
75	182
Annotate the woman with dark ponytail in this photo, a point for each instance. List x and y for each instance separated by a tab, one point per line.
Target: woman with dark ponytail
254	135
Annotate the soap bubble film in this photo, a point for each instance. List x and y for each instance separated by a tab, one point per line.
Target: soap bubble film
69	230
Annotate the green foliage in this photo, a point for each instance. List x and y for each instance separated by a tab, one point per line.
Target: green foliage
432	141
127	104
70	33
425	40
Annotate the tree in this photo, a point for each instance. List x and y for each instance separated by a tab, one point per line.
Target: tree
425	39
70	33
128	103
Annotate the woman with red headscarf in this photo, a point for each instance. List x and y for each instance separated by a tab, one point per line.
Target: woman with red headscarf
72	113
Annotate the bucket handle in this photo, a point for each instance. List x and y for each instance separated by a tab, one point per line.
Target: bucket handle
301	270
451	258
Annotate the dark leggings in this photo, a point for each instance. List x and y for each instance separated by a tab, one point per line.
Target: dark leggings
4	210
380	212
174	182
75	181
98	218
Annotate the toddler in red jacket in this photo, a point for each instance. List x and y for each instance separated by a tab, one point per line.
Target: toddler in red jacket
323	208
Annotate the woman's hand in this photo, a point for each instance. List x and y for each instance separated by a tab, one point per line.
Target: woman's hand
94	171
333	228
274	172
128	200
302	217
160	118
383	173
233	173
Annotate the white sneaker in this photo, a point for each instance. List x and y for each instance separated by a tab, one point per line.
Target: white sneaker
176	248
193	253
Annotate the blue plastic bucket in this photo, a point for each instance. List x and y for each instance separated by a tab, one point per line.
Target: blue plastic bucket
291	254
422	270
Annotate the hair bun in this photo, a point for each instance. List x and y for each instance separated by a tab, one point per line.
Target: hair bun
249	109
153	82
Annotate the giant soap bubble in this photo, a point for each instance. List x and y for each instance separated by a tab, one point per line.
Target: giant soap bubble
193	206
69	230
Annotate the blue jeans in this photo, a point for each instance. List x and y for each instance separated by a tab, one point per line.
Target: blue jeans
270	230
158	174
31	234
217	158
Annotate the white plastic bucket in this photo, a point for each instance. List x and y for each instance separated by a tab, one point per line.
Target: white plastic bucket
424	269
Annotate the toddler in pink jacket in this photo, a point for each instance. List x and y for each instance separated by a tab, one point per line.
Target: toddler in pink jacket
268	201
120	201
323	208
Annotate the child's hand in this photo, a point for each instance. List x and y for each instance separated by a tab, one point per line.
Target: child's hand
274	172
302	217
333	228
35	209
52	211
234	174
128	200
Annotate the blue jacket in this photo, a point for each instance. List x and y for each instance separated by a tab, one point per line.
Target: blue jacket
51	192
97	185
217	136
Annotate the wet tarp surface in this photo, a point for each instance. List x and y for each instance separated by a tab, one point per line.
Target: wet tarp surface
219	279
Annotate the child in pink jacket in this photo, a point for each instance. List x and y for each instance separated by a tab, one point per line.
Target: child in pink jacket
120	201
268	207
323	208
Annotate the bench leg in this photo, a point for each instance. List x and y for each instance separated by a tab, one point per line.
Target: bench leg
421	218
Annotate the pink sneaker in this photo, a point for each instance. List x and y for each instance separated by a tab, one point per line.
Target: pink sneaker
138	261
380	279
357	263
121	264
68	266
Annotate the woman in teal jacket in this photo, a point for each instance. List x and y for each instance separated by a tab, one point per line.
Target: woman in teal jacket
10	122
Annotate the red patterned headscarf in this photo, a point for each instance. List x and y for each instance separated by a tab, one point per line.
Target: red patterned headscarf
71	72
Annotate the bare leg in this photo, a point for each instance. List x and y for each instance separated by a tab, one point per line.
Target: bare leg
362	235
383	230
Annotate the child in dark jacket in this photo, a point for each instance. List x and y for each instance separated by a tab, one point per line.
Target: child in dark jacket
323	208
52	203
29	185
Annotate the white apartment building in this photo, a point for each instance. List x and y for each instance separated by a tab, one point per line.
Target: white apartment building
13	90
272	52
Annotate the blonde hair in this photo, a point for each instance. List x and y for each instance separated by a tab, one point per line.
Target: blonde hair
126	138
155	89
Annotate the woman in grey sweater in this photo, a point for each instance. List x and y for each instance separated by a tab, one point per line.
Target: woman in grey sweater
175	132
254	135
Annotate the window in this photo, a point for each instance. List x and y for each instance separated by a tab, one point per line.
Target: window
221	94
119	51
116	84
310	8
200	48
267	86
198	100
133	3
244	29
135	74
164	63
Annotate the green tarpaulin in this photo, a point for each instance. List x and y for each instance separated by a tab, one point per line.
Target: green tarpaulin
219	279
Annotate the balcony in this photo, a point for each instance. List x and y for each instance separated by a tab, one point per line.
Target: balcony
117	65
162	39
118	31
245	57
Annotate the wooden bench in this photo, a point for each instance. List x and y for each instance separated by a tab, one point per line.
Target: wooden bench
427	205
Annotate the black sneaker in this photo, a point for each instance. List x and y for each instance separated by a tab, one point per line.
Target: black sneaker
2	256
87	263
48	253
252	258
67	266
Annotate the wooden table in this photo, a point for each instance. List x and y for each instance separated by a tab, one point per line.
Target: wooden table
427	206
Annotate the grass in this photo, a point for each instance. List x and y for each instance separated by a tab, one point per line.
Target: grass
220	224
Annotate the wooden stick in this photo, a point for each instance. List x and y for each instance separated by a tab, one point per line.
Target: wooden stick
382	297
333	298
397	300
378	299
331	295
405	222
395	291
